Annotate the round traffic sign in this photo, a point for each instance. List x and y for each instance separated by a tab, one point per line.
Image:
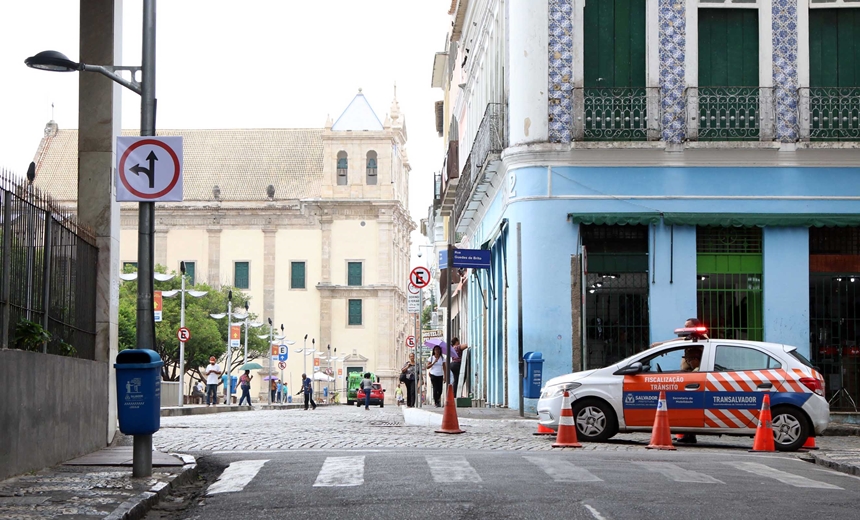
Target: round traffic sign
420	277
412	289
149	169
282	365
410	341
183	334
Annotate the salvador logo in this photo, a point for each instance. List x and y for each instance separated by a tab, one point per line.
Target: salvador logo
629	399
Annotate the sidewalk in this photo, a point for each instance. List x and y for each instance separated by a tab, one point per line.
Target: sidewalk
98	485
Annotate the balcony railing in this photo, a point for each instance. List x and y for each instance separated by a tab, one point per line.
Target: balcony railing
830	113
489	143
616	113
730	113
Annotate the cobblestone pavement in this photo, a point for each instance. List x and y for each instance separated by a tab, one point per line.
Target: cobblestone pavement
346	427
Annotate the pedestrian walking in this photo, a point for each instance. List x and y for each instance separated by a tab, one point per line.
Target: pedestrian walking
408	375
367	386
213	370
273	390
245	385
280	392
308	390
437	367
398	395
456	352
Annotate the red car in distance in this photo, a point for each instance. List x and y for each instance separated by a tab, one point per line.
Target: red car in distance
377	396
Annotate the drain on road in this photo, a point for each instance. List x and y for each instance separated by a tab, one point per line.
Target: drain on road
385	424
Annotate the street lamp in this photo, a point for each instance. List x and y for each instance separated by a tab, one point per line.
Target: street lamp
247	323
229	316
58	62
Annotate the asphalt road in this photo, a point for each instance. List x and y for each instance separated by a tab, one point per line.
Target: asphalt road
421	484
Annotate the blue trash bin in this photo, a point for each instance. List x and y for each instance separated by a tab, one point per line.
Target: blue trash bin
534	375
138	389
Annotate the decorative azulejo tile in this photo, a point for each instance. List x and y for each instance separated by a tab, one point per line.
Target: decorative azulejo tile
784	15
560	70
673	29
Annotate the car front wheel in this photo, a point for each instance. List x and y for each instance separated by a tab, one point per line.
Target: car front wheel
790	428
595	420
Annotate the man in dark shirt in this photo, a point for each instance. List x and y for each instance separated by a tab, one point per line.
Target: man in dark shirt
307	388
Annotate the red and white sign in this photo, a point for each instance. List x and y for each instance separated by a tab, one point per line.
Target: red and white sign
412	289
157	305
276	349
420	277
183	334
410	341
282	365
149	169
235	336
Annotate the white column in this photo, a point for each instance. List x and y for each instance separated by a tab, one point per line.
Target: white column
528	73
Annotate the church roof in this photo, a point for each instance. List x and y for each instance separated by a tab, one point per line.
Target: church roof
358	116
241	162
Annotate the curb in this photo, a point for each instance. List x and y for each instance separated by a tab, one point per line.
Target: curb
823	460
176	411
839	429
136	508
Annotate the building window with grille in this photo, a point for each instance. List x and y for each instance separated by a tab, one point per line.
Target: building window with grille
353	273
342	168
355	317
371	168
297	275
190	272
241	274
729	279
616	292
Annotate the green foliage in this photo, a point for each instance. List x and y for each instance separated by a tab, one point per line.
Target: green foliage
29	335
426	315
208	335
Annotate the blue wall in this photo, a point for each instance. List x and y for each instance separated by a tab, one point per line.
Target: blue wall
786	287
673	282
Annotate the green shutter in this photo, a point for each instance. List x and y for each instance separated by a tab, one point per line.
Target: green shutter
297	275
353	275
354	312
728	48
834	73
189	273
240	275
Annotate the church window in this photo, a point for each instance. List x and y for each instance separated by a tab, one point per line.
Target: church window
353	273
240	275
371	168
297	275
342	168
354	317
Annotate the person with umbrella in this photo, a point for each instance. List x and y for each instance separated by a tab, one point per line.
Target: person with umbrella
455	356
437	367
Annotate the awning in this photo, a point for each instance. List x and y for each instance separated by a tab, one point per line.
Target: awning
620	219
720	219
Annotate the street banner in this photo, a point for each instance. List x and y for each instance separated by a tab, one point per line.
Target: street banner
275	350
156	304
235	335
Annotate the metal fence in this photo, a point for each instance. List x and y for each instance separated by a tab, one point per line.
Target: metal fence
48	266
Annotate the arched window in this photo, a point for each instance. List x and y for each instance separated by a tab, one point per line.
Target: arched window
342	168
371	168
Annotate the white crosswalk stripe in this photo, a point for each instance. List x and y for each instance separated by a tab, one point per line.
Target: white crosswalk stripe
451	469
236	476
677	473
782	476
341	472
563	471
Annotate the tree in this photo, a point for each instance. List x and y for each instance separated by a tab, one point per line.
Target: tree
208	335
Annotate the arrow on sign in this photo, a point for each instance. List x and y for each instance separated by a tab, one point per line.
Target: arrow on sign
137	169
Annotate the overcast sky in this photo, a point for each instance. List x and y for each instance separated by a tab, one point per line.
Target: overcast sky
231	64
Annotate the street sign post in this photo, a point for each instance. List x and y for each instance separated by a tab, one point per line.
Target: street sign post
410	341
149	169
420	277
282	365
466	258
183	334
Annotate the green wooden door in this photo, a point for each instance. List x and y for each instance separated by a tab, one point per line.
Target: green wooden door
728	74
834	73
614	63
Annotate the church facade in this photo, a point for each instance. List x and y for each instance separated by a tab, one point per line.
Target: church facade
312	224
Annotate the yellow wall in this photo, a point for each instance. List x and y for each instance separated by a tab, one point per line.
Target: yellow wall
244	245
353	242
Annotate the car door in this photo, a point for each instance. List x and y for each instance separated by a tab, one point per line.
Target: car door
662	372
734	388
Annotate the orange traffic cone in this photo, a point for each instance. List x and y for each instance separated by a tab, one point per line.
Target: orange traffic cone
543	430
566	427
764	433
450	424
808	445
661	434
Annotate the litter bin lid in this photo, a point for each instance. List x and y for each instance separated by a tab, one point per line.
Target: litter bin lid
137	358
532	356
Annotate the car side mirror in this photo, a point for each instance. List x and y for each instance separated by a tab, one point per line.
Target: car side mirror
633	368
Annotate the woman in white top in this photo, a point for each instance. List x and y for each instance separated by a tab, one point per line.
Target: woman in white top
437	368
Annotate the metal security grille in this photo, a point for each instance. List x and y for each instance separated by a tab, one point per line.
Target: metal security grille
834	241
729	281
834	326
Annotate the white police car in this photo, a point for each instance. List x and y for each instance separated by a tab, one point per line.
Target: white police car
722	396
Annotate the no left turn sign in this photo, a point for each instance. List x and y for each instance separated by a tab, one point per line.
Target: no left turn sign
420	277
183	334
149	169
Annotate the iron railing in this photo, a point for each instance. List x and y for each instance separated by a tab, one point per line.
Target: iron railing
730	113
616	113
830	113
48	267
490	140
